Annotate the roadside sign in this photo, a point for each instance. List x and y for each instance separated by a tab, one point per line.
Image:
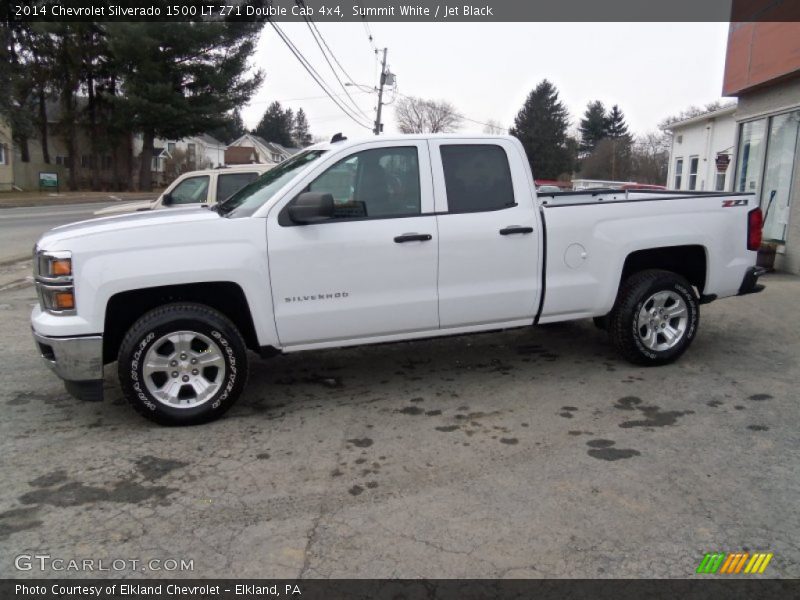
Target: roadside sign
723	160
48	180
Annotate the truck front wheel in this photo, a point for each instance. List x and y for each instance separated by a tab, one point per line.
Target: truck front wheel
182	364
655	318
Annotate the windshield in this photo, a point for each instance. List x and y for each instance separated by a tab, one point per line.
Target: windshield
253	196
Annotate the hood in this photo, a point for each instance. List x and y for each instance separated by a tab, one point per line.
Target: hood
104	225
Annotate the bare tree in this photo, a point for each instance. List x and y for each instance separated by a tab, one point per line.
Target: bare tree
695	111
650	157
417	115
494	127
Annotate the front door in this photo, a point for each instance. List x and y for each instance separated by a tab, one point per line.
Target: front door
370	271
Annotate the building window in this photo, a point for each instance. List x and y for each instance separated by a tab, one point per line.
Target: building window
190	152
719	184
3	154
751	156
678	173
171	147
693	164
62	160
776	188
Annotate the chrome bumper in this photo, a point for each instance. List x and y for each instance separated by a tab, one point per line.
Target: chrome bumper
72	359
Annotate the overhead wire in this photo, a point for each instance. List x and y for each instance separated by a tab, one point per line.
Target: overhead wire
320	41
304	62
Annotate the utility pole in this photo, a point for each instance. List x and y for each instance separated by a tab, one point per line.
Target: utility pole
378	126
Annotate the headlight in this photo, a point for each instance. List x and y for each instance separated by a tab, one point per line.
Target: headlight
53	265
53	274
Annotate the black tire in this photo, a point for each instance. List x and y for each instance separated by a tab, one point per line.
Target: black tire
623	320
170	318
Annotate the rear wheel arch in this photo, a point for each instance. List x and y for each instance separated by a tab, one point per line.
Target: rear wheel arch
688	261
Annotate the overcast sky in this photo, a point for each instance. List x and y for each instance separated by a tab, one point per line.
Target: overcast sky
652	70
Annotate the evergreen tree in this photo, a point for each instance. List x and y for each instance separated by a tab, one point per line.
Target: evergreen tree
181	81
593	126
231	129
616	127
277	125
541	126
302	133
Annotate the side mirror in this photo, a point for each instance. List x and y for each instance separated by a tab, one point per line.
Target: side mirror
166	199
311	207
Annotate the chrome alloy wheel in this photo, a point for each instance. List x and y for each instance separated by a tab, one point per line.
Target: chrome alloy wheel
183	369
662	321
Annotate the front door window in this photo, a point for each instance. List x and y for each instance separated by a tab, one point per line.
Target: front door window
190	190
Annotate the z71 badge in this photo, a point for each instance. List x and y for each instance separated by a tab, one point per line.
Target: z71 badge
739	202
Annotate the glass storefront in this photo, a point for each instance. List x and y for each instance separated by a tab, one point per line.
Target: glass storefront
765	166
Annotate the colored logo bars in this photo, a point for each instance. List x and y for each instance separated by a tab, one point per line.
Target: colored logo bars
734	563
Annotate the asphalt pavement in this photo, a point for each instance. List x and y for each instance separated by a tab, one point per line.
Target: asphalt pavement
20	228
533	452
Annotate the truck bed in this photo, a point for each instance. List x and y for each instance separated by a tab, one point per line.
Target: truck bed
589	234
609	195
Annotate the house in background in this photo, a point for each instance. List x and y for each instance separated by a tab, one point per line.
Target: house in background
762	70
240	155
266	152
701	151
6	157
173	157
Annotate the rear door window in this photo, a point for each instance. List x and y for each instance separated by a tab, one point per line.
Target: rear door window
477	178
230	183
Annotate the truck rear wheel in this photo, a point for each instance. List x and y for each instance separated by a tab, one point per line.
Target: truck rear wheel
655	318
182	364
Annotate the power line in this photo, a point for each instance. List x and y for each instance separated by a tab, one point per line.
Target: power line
314	33
314	75
307	98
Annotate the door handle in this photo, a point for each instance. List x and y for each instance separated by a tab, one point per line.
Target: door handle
413	237
515	229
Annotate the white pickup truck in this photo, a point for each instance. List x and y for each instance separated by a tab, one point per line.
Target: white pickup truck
358	242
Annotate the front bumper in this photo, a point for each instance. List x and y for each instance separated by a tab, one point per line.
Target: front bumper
76	360
750	283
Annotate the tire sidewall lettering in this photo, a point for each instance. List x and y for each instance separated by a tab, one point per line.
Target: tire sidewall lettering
136	369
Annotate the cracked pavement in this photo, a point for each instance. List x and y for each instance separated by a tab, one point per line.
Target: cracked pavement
524	453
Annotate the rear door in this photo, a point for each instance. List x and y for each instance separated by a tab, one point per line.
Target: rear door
371	270
488	233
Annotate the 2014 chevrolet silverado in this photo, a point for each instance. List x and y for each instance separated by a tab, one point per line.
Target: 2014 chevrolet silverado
394	238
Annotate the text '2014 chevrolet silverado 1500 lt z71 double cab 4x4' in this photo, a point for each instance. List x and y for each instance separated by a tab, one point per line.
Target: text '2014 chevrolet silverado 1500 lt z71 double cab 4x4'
394	238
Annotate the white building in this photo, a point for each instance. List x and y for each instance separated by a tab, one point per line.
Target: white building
266	152
696	145
196	152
